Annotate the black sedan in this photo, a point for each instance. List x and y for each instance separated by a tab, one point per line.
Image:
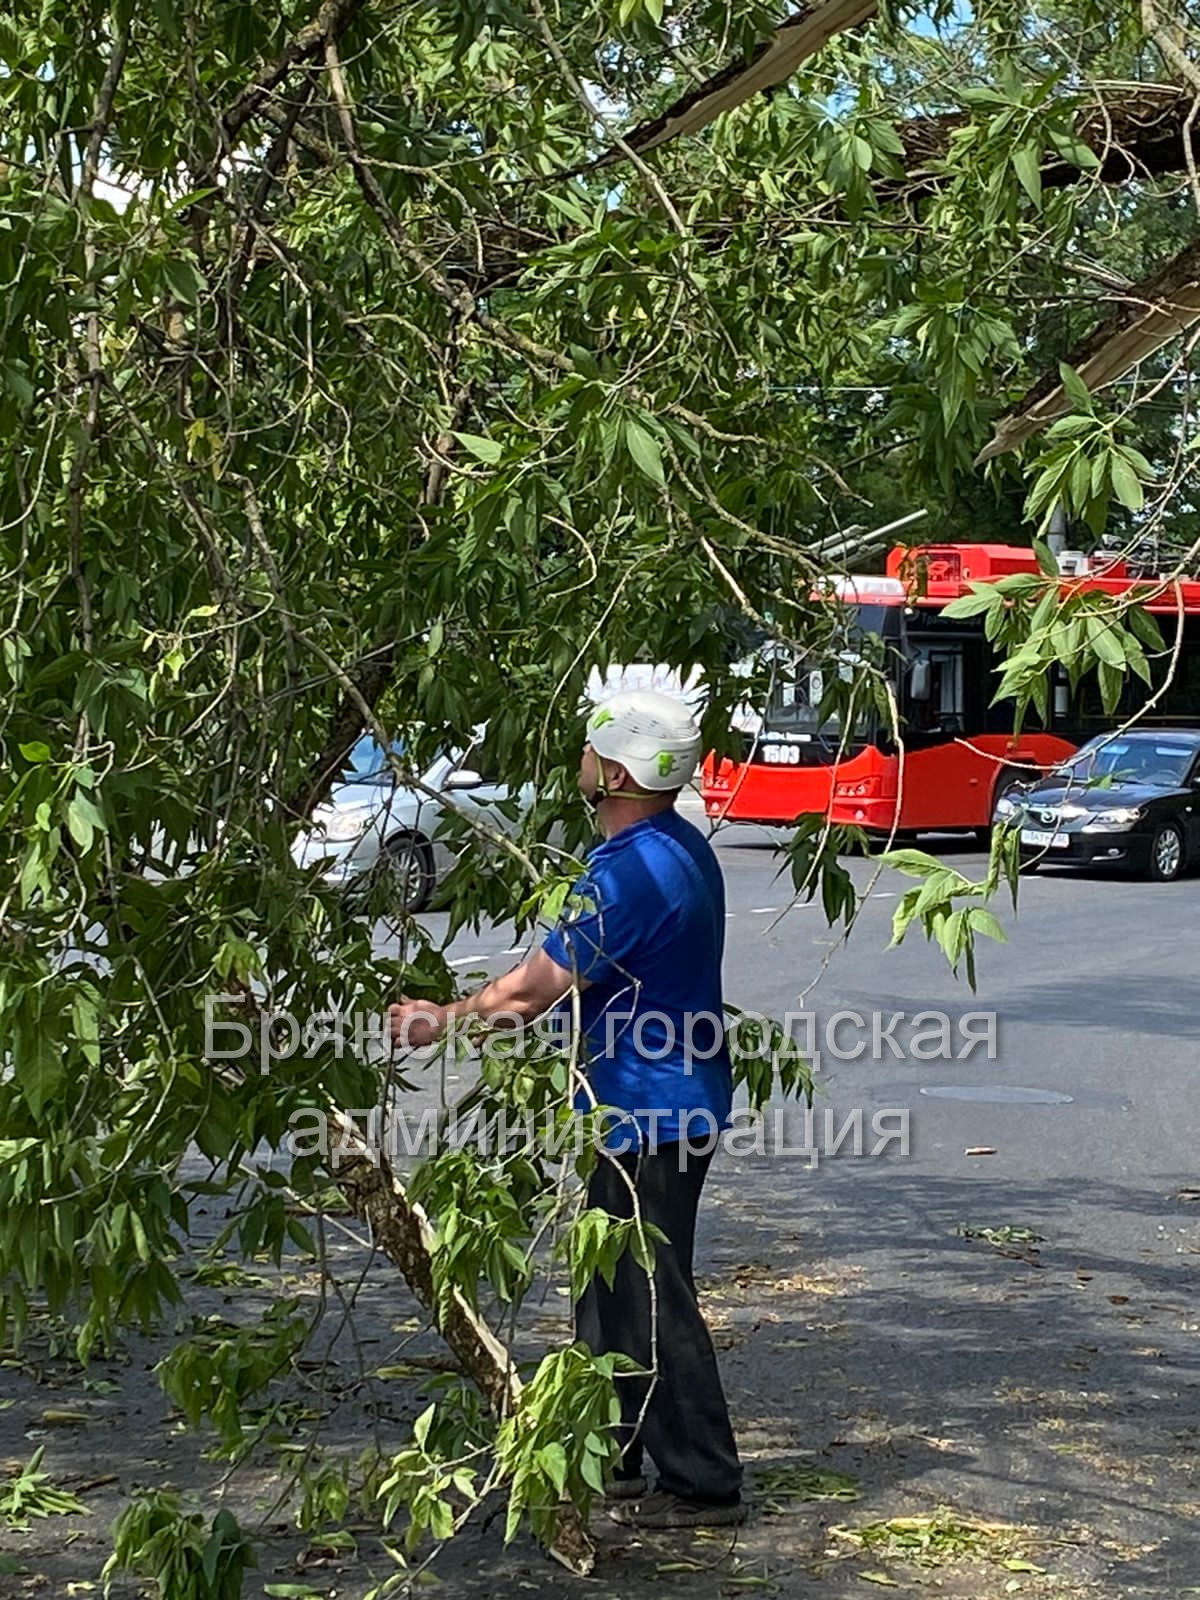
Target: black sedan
1126	800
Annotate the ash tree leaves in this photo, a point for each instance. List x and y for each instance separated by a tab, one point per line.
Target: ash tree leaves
490	451
1085	467
948	906
645	450
1045	623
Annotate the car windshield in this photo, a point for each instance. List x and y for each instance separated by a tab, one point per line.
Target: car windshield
1156	761
367	762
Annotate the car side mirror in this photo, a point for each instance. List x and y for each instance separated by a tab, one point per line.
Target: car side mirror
920	680
464	778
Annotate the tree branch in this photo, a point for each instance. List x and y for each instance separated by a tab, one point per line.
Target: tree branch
401	1230
1149	314
796	39
1133	130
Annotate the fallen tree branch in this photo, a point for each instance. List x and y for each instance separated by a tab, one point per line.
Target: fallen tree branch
796	39
401	1229
1133	130
1149	315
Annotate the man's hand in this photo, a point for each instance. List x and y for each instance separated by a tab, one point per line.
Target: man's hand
414	1023
525	993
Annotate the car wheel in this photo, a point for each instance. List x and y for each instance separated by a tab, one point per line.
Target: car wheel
409	860
1167	856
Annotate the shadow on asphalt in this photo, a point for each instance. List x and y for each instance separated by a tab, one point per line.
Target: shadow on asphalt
1061	1380
1132	1004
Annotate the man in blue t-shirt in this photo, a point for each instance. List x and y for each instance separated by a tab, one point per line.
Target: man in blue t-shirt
642	942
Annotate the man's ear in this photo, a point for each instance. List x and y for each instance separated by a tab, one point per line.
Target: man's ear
616	777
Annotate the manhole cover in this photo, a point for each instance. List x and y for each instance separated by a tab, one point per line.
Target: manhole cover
999	1094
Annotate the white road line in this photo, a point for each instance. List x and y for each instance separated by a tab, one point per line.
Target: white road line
764	911
883	894
467	961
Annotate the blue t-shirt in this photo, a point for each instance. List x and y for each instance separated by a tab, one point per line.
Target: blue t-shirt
647	930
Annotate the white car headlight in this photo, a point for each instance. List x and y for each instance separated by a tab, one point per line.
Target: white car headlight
339	826
1006	807
1115	817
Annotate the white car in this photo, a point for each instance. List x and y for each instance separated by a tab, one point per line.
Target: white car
370	820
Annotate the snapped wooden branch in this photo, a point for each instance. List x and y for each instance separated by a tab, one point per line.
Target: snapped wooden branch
796	39
1149	315
1135	130
400	1228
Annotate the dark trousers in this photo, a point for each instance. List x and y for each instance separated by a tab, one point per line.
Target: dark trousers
684	1426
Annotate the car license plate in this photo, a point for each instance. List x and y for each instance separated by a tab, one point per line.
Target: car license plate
1044	841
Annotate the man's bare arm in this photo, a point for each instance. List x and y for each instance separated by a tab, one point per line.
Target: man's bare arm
525	993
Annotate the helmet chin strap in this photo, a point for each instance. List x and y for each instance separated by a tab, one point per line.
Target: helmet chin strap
603	792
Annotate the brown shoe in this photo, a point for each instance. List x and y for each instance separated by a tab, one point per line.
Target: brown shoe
662	1510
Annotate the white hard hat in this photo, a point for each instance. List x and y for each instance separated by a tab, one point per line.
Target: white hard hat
654	736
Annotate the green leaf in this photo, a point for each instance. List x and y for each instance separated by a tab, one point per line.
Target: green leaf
916	863
1137	461
644	449
1105	641
1126	484
1075	389
1027	164
183	280
83	821
423	1424
1073	149
35	750
552	1458
483	449
983	921
1046	558
982	598
1111	680
1145	627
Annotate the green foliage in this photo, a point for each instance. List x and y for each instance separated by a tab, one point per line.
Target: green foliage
157	1539
766	1059
30	1492
214	1373
1085	468
594	1243
814	855
1042	622
545	1461
935	907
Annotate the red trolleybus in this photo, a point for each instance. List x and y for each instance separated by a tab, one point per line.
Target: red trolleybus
959	750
